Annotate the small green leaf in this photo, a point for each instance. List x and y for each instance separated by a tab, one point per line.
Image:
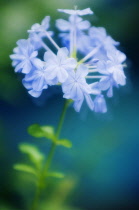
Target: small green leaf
56	175
38	131
25	168
49	132
33	153
35	131
65	143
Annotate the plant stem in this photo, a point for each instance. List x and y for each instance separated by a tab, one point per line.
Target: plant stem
89	55
49	158
62	117
36	198
52	41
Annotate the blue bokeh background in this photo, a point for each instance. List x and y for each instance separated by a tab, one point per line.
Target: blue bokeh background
103	163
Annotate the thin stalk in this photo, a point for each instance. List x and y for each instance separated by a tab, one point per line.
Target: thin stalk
71	41
49	159
94	77
91	71
62	117
52	41
89	55
92	67
74	38
45	46
36	198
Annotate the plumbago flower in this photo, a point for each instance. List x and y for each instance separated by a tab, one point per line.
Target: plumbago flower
67	30
86	65
76	88
24	57
59	66
37	80
113	71
37	32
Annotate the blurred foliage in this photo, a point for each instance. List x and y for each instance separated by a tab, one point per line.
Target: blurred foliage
57	196
60	196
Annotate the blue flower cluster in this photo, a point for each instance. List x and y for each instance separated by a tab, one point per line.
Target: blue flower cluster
87	65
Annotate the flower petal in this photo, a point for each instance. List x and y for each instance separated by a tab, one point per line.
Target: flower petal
34	93
77	105
89	101
63	25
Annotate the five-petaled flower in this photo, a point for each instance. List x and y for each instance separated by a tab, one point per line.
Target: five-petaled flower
59	65
24	57
113	71
37	80
77	89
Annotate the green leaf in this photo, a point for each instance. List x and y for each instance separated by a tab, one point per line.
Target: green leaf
38	131
55	174
49	132
25	168
65	143
33	153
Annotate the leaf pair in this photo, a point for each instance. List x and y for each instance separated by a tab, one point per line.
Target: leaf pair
48	132
37	158
29	169
34	155
38	131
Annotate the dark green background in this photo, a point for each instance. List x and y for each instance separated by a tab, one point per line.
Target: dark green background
103	166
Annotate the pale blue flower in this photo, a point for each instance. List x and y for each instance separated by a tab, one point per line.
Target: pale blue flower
37	79
113	69
107	83
77	89
24	57
38	31
95	88
100	104
59	65
35	40
40	27
65	26
115	65
86	11
98	39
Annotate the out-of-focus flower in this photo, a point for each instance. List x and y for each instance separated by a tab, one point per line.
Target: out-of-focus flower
98	39
67	27
86	11
24	57
115	66
40	27
64	25
113	71
100	104
38	31
99	36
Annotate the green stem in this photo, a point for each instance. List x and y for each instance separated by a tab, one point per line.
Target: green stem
36	198
62	117
50	158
